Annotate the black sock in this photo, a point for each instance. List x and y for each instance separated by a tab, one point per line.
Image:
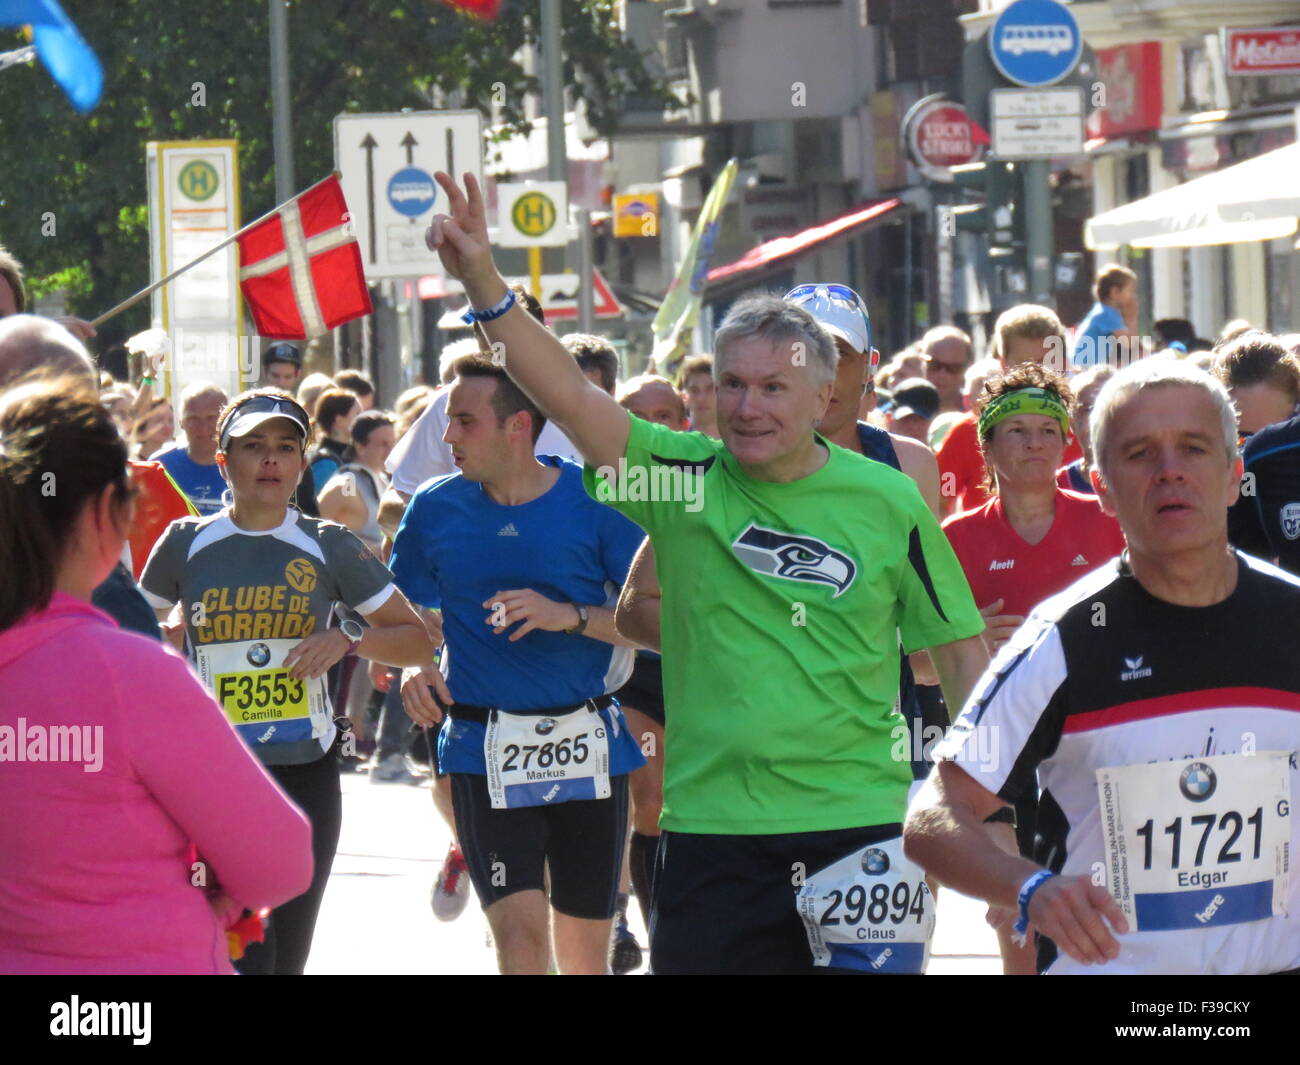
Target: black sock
642	869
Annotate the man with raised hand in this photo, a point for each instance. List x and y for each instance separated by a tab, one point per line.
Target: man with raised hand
1160	727
788	567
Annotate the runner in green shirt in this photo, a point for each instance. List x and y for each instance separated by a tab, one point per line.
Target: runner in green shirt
788	568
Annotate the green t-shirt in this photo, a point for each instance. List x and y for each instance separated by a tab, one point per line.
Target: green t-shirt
781	615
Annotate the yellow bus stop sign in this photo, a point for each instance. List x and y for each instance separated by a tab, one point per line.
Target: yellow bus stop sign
198	179
533	214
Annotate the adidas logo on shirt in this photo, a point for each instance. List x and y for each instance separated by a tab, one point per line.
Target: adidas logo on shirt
509	530
1135	670
1008	564
1079	560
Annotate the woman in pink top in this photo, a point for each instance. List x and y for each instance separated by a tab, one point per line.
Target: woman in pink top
114	760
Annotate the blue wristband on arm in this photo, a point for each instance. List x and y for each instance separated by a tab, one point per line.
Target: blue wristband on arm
495	311
1026	893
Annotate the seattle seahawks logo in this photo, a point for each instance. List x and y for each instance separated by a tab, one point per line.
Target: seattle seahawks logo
794	558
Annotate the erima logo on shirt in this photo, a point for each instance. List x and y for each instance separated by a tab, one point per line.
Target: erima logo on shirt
794	558
509	530
1135	669
1079	560
1008	564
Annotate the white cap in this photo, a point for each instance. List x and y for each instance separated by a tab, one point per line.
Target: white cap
835	312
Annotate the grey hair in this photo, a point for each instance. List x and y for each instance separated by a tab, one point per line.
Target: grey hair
1156	372
197	389
775	320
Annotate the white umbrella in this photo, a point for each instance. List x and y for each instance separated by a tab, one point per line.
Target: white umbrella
1255	200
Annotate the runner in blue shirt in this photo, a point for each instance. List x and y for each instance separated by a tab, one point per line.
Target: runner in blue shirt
525	568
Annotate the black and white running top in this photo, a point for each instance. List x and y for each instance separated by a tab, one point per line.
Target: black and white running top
1164	741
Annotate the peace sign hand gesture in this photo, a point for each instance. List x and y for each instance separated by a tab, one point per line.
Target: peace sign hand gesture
461	238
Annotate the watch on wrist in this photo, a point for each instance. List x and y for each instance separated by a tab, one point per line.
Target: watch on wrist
581	627
352	632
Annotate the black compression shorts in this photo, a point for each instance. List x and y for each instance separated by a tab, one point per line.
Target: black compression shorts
508	850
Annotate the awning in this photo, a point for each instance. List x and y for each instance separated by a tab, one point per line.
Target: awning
779	248
1255	200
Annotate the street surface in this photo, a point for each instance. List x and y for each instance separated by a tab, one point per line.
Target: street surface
376	918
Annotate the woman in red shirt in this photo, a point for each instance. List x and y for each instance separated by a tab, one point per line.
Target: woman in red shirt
1032	538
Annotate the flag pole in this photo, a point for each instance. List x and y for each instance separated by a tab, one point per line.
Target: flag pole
133	300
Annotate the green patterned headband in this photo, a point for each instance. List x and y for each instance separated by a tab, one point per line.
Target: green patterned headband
1024	401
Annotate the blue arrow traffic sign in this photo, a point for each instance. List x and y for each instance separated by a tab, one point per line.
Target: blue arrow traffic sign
1035	42
412	191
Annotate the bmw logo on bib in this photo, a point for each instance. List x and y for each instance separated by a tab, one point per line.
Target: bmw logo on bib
1291	520
1197	782
545	726
259	655
875	862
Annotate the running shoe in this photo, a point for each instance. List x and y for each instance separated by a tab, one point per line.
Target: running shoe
451	890
624	952
391	769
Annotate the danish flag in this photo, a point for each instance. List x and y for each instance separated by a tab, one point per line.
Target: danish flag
300	267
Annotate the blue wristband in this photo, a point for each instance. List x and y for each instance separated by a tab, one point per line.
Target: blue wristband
496	311
1026	893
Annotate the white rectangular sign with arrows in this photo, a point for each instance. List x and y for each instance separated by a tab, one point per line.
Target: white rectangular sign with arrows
387	162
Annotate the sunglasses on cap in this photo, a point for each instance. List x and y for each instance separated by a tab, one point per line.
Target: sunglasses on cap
851	323
248	414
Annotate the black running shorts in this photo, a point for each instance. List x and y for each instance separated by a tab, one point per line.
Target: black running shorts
508	850
644	689
726	904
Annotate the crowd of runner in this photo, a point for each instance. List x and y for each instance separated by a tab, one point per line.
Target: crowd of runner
781	641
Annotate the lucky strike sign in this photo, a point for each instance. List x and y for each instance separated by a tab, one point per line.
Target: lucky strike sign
939	135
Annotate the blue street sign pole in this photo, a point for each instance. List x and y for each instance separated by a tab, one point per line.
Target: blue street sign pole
1036	43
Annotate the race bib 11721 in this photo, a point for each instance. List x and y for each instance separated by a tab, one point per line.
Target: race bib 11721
1198	842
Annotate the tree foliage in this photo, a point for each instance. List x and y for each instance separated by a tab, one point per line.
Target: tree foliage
345	55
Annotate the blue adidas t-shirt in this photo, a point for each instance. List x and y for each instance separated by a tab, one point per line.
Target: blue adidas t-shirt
456	548
204	485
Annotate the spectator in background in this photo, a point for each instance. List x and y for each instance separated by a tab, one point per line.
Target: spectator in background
152	432
310	389
109	891
1231	332
1076	476
359	385
653	398
906	364
1177	334
1262	378
700	393
282	366
13	297
597	358
336	410
351	497
1113	317
1027	333
947	352
914	405
194	465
